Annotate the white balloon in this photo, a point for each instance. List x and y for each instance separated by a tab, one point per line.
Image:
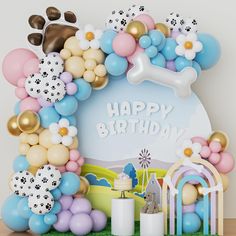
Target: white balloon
67	140
175	21
33	85
143	70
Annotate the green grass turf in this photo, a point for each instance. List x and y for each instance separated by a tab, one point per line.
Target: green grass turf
107	232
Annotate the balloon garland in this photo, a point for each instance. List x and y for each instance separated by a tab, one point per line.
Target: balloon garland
48	189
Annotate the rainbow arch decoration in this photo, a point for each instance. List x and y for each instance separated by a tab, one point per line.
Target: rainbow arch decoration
212	193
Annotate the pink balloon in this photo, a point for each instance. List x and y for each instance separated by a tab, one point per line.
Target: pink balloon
78	171
72	166
21	93
29	103
62	169
136	52
188	208
13	64
226	163
215	146
205	152
124	44
200	140
74	155
31	67
175	34
71	88
214	158
81	161
147	20
21	82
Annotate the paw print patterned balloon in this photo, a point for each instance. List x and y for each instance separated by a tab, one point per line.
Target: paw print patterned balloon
33	85
175	21
41	202
136	10
190	26
118	20
54	90
49	177
51	66
21	183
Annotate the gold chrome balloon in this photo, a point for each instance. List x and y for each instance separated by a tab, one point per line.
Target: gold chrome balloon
99	82
163	28
28	121
136	29
220	137
199	189
84	186
13	127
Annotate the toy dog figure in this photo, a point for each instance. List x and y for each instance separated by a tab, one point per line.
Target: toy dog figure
151	206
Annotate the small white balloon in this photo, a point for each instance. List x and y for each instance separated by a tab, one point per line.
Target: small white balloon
72	131
67	140
64	122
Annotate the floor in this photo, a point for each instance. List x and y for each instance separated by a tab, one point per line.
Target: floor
229	226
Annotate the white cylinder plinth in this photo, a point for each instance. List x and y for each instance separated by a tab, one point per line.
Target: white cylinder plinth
122	217
152	224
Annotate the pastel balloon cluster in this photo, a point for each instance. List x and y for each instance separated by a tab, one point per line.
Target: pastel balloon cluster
78	216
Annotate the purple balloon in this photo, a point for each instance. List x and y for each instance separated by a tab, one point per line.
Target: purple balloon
188	208
71	88
175	34
99	220
81	224
66	77
63	221
44	103
81	205
193	172
171	65
66	202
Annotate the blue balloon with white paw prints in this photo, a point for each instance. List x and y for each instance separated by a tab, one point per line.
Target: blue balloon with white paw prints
11	216
84	89
168	50
115	64
48	115
67	106
106	41
210	53
37	224
24	209
20	163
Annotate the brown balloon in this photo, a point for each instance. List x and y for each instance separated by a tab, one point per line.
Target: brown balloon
163	28
100	82
28	121
13	127
84	186
220	137
136	29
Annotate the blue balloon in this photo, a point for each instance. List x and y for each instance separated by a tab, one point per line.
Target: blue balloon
159	60
197	67
56	208
145	41
123	76
20	163
23	208
199	209
50	219
182	62
17	108
84	89
56	193
70	183
210	53
67	106
168	50
106	41
48	115
151	51
71	119
37	224
11	216
115	64
191	223
156	36
162	44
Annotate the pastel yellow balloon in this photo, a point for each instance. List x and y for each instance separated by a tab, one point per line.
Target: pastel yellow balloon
220	137
40	130
90	64
95	54
33	169
163	28
100	70
75	65
72	44
189	194
136	29
37	156
75	143
65	54
225	181
33	139
12	126
89	76
58	155
45	138
100	82
24	148
23	137
28	121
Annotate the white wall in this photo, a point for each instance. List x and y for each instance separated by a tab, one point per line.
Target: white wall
216	88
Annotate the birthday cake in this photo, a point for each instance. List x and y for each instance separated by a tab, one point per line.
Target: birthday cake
123	183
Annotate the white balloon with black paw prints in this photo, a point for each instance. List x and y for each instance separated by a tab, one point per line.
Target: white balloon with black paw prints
34	85
190	26
175	21
136	10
